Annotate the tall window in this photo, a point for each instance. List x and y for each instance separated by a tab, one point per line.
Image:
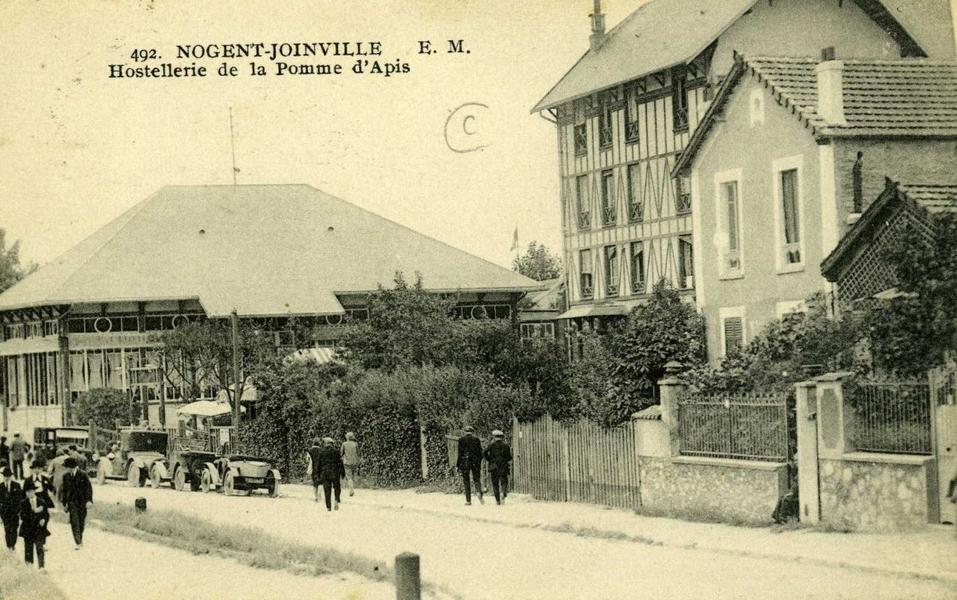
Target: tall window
685	263
730	207
581	140
637	268
611	270
631	121
857	181
679	99
585	274
582	204
790	212
636	210
682	194
604	125
608	208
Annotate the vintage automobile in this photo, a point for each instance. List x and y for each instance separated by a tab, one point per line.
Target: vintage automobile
49	441
186	470
241	473
133	456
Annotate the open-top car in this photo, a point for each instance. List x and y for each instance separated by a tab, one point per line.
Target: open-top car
133	456
187	470
242	473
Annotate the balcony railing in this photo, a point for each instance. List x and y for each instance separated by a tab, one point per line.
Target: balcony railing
584	220
683	202
587	289
604	137
631	132
681	119
637	285
609	216
635	212
611	288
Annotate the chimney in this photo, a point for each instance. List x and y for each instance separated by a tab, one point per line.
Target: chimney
830	88
597	27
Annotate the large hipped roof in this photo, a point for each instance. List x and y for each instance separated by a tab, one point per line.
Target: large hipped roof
261	249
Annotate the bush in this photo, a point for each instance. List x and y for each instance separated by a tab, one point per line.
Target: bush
103	407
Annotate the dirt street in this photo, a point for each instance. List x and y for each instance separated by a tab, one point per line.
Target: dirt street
481	559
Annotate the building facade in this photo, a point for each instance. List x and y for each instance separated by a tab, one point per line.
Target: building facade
785	161
628	108
93	317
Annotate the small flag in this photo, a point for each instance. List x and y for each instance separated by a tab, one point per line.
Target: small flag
515	240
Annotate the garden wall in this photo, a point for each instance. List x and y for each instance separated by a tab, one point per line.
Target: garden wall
878	491
711	488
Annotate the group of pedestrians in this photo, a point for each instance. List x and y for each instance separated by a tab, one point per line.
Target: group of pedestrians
25	503
329	465
498	455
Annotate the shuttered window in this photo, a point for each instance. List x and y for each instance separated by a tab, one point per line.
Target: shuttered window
585	280
637	267
733	335
792	222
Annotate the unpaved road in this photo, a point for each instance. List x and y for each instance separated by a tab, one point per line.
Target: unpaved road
480	560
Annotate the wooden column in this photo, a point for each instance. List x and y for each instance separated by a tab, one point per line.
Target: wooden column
63	374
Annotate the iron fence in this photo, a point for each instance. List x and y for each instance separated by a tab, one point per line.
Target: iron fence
890	417
751	426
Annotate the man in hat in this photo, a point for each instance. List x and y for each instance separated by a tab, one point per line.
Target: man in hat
77	496
18	451
34	518
329	465
499	456
350	460
470	462
10	497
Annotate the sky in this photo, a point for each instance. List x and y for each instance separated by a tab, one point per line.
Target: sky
77	148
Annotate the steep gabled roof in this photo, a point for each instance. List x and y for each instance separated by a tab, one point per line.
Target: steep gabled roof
663	33
656	36
262	249
882	98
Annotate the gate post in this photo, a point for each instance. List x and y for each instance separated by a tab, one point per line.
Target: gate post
809	492
670	389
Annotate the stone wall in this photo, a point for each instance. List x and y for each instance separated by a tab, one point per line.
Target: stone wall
876	492
711	489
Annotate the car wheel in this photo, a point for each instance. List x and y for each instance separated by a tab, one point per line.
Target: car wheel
206	482
101	474
179	479
229	485
133	476
273	489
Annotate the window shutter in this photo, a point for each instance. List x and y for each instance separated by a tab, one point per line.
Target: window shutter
733	335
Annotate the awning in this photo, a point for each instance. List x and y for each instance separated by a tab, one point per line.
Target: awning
320	355
594	310
250	394
204	408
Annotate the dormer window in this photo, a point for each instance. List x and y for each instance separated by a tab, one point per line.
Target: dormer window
679	99
604	125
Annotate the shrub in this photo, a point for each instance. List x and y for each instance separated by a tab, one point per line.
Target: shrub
103	407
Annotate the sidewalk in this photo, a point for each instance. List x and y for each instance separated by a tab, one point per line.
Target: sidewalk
113	566
929	553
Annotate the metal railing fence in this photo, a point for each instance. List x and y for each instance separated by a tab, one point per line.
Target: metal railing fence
749	426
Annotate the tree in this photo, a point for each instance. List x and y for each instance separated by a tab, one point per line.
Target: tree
102	407
200	355
664	329
10	269
538	263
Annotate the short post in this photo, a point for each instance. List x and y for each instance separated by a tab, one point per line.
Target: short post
408	585
140	504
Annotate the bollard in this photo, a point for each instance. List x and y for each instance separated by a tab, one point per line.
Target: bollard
140	504
407	583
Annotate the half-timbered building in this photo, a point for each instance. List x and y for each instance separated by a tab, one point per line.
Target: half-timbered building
627	109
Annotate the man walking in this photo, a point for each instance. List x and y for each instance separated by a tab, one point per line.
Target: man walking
18	451
470	462
312	468
34	517
499	456
328	464
77	495
10	497
350	460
